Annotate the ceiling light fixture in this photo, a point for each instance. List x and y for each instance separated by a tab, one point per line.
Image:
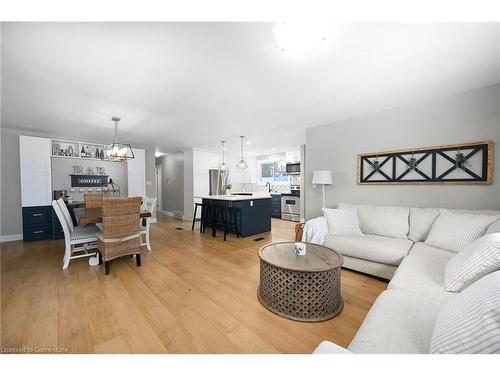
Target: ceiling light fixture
300	37
118	151
223	166
242	164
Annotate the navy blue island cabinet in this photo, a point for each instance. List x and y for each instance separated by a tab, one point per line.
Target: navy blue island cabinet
253	214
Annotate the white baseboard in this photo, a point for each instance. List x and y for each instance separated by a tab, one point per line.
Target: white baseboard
11	237
168	213
176	214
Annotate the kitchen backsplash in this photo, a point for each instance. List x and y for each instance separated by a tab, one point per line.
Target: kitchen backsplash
256	188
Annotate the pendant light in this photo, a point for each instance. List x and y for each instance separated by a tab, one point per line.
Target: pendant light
242	164
223	166
118	151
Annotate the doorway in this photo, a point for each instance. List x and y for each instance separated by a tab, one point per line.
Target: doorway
159	188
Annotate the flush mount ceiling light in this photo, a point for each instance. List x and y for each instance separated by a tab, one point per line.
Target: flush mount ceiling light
242	164
118	151
300	37
223	166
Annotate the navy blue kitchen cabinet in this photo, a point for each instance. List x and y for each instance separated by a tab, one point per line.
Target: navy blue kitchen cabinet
37	223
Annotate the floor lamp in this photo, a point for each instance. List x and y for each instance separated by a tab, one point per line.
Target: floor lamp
322	177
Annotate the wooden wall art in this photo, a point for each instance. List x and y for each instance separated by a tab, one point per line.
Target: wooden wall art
466	163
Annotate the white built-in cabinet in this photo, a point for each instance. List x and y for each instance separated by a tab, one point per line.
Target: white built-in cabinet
292	156
136	173
36	182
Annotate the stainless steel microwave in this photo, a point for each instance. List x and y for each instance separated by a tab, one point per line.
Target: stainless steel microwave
293	168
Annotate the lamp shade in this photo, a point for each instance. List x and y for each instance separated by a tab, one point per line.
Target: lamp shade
322	177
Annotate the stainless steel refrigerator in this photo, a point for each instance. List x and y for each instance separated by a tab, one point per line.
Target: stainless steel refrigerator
217	180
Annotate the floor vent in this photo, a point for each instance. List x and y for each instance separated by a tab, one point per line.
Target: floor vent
260	239
179	228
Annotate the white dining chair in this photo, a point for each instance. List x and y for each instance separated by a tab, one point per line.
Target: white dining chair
148	205
66	214
80	242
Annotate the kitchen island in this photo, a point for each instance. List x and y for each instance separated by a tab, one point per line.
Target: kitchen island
254	211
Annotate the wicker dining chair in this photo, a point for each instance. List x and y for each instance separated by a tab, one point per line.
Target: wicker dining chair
120	235
92	200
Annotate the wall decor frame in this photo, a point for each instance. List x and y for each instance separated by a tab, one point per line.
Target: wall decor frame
460	164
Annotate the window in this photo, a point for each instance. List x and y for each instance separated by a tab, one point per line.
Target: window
273	171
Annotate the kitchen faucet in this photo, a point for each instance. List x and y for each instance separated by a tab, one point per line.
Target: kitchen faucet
268	184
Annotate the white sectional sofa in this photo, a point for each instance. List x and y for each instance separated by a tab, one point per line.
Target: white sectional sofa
402	319
390	234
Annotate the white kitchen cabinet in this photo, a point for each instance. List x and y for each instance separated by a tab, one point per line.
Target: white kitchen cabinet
36	183
136	174
292	156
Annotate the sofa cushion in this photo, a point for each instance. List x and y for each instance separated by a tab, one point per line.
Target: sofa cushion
342	221
422	275
421	220
453	231
381	220
398	322
478	259
470	322
379	249
420	248
494	228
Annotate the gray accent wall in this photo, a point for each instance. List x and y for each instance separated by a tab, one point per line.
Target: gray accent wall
11	213
467	117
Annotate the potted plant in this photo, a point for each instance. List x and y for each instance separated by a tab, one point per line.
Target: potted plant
227	188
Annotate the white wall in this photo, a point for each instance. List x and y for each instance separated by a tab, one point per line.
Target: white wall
467	117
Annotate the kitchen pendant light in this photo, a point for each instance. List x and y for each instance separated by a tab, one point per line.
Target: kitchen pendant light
223	166
242	164
118	151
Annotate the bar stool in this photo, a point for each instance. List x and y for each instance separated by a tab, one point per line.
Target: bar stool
219	219
196	205
232	224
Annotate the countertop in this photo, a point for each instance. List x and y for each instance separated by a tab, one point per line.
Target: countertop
236	197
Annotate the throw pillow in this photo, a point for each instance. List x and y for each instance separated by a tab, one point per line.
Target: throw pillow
382	220
342	221
421	220
476	260
469	323
453	232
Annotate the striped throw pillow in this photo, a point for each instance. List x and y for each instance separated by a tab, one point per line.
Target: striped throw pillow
478	259
470	322
453	232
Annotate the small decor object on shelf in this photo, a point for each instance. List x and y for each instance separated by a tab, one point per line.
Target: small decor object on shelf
465	163
101	154
82	153
56	148
300	248
96	154
70	151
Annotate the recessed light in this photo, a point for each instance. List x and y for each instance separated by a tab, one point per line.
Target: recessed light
247	142
158	154
274	149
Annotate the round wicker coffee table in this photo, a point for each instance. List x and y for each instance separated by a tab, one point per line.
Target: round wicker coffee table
300	287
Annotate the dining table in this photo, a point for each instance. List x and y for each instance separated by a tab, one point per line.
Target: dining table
94	215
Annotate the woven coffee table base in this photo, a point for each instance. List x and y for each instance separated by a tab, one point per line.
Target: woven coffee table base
302	296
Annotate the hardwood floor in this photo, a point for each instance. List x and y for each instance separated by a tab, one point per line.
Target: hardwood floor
192	294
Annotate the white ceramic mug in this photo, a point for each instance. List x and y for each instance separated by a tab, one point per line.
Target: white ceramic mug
300	248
